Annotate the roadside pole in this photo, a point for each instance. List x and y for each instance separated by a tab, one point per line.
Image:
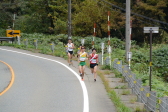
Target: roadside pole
94	35
151	30
109	47
129	53
82	42
127	31
102	47
13	21
69	20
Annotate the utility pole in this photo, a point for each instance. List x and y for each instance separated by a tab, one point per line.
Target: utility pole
69	19
13	21
127	31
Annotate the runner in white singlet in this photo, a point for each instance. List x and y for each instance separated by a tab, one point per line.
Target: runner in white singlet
70	47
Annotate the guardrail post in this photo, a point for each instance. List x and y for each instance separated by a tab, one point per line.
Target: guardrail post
35	43
18	40
163	104
138	89
120	67
152	101
26	42
131	80
107	61
15	40
145	96
115	63
100	58
52	47
134	82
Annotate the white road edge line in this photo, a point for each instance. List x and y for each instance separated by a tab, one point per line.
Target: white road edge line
85	93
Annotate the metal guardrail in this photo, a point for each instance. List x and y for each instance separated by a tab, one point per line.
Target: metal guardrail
151	102
6	38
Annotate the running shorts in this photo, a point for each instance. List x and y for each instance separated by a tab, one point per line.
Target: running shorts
71	52
82	63
93	65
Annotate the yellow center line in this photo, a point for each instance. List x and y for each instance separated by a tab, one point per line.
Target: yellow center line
12	79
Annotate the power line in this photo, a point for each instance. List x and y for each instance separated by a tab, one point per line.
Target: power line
122	9
133	17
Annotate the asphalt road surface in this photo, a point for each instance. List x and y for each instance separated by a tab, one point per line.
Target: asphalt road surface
45	83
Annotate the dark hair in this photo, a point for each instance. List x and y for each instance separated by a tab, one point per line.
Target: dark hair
82	47
93	49
70	40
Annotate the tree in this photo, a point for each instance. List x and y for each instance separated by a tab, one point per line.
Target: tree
58	16
152	9
89	12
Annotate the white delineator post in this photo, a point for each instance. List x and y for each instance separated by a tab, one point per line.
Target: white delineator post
82	42
102	46
94	35
109	47
129	59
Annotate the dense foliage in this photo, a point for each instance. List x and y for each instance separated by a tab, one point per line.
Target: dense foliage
160	56
50	17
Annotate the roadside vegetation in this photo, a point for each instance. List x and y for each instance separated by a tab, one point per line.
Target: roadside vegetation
139	62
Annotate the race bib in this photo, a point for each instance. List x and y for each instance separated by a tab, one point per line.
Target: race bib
82	58
93	61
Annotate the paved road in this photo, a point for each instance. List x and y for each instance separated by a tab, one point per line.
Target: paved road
43	85
5	76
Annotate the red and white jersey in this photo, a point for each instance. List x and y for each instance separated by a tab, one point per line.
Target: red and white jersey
93	58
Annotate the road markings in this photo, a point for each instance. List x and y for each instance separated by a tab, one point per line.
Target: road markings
12	78
85	93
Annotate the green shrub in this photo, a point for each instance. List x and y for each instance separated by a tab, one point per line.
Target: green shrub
160	61
118	53
2	32
139	56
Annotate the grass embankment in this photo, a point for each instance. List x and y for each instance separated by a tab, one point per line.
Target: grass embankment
120	107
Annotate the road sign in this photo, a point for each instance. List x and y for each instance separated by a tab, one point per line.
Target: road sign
153	29
12	33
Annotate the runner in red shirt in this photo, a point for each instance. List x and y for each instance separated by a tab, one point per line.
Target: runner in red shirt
93	57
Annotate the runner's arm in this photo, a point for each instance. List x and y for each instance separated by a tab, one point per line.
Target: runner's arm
66	46
78	57
72	46
89	57
97	59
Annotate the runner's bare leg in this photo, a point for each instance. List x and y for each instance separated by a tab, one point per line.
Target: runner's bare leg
95	72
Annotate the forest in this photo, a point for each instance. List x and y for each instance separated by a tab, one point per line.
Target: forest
51	17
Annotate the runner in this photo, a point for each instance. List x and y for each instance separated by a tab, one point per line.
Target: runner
82	57
70	47
93	57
